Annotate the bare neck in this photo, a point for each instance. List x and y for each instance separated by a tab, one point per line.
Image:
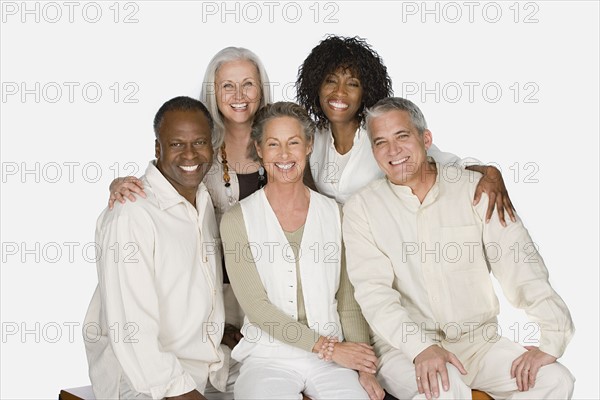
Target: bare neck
343	135
289	202
423	181
237	134
237	139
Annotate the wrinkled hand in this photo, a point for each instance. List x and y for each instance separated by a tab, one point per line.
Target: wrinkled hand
526	366
193	395
122	188
231	336
492	183
357	356
428	364
371	385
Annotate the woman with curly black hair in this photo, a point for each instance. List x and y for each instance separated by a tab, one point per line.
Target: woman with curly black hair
335	55
337	81
340	78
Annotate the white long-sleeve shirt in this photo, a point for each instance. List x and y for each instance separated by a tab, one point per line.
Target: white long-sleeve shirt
156	317
421	276
340	176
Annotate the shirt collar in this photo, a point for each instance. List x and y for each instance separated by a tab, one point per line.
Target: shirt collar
405	193
357	136
166	195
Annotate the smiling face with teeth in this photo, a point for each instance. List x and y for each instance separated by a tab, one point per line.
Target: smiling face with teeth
238	91
340	96
399	148
184	151
283	150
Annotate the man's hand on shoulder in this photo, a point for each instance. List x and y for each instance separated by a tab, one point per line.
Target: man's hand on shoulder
527	365
193	395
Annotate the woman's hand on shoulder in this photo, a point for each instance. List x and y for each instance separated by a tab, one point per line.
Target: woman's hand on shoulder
124	188
493	185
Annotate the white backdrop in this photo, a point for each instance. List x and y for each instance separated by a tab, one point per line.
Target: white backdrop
506	82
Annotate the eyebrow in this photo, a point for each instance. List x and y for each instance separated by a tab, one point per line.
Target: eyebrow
182	140
395	133
248	78
273	138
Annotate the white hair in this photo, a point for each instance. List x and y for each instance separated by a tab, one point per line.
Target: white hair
208	94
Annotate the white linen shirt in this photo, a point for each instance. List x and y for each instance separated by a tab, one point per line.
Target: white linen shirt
156	317
361	169
421	276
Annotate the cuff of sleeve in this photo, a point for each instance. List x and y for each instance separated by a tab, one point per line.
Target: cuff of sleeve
178	386
414	351
468	161
555	343
307	341
219	372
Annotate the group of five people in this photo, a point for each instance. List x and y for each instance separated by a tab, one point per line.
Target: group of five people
324	315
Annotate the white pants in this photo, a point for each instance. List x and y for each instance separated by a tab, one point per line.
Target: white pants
397	375
287	378
553	381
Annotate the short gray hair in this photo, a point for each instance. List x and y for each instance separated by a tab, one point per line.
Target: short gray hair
208	95
277	110
398	104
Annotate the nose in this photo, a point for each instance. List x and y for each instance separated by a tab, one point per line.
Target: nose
239	91
340	89
284	151
189	153
394	148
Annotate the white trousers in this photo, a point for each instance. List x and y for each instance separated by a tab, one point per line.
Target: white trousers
397	375
287	378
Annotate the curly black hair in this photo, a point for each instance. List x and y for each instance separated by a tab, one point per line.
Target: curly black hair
331	54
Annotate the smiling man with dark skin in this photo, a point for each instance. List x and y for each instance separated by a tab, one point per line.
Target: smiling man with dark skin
184	150
157	313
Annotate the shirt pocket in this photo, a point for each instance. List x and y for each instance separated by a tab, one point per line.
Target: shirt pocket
466	272
461	249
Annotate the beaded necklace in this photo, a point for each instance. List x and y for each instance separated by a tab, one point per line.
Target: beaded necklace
227	179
